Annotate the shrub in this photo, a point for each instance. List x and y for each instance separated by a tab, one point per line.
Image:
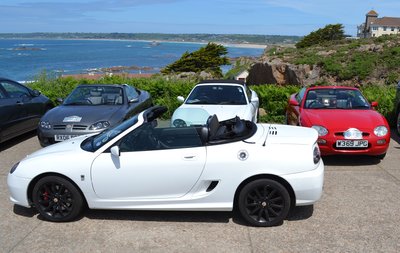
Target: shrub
273	98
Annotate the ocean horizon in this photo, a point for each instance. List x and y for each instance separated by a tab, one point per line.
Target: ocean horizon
26	59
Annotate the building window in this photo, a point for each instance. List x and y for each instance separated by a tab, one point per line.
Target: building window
392	29
384	28
374	28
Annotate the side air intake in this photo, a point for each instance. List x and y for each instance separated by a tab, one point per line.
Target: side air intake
212	186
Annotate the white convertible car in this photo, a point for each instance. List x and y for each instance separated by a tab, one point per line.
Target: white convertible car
224	98
262	169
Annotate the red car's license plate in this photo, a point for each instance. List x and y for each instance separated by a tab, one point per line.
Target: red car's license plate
352	144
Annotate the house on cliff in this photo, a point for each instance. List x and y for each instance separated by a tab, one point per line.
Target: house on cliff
375	27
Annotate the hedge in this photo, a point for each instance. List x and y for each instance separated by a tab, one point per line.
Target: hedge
273	98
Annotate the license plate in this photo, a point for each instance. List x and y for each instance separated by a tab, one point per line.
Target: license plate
352	144
63	137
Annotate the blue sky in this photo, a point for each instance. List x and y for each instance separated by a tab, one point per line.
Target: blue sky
272	17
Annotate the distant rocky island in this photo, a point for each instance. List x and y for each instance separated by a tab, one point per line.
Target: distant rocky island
223	38
24	48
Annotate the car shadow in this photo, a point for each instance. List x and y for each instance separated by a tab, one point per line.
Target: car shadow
297	213
353	160
24	211
160	216
16	140
395	136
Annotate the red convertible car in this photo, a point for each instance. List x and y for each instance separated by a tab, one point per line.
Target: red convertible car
345	121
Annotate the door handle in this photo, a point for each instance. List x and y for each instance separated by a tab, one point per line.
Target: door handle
189	157
19	103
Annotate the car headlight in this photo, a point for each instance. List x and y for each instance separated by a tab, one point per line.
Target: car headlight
322	131
179	123
14	167
380	131
45	124
316	154
99	125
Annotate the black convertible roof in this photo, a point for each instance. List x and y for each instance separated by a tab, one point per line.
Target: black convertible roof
223	81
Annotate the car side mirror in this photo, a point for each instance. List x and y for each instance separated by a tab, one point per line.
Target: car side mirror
59	100
115	151
35	93
293	102
180	99
374	104
255	99
134	100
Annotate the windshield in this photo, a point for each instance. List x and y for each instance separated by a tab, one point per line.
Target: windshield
95	142
217	95
95	95
335	99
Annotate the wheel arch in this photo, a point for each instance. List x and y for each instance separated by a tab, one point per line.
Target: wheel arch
266	176
38	177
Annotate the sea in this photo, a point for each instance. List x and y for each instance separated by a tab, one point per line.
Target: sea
25	59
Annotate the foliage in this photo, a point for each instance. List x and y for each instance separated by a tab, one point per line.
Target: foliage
328	33
240	65
361	60
273	98
385	96
208	58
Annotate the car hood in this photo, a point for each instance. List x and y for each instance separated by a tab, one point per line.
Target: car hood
223	112
62	148
343	119
83	114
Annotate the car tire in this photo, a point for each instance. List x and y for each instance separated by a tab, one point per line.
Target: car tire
57	199
286	119
264	203
381	156
398	123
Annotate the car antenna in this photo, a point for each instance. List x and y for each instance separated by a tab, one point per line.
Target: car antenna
269	128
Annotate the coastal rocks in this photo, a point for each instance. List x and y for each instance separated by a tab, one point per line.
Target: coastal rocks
120	69
370	48
203	75
23	48
278	72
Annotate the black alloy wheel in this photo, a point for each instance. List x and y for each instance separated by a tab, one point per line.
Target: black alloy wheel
264	203
57	199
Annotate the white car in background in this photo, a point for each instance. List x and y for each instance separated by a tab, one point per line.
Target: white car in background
138	165
224	98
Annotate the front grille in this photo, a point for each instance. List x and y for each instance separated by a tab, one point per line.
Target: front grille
74	127
364	134
79	127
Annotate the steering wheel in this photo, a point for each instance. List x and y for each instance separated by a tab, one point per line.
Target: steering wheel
88	101
315	104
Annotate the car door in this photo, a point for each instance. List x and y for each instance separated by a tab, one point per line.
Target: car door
14	109
145	170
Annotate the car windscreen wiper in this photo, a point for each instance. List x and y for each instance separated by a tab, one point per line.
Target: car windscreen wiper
77	103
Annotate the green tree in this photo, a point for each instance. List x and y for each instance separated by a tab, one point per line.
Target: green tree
328	33
208	58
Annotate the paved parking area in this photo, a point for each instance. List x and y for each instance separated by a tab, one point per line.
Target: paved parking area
358	212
